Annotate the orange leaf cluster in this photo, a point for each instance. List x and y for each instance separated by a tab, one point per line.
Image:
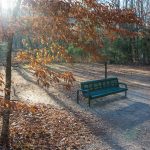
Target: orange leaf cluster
13	105
39	59
16	106
47	77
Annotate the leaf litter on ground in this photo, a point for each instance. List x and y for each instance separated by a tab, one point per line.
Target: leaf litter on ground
48	128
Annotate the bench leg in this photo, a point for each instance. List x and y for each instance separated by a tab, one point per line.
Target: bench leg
89	102
125	93
78	97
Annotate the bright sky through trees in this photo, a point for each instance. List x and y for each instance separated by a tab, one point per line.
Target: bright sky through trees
6	6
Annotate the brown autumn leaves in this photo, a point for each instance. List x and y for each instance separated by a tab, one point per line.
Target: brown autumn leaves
56	24
48	27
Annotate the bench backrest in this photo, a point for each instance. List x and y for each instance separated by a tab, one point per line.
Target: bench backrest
93	85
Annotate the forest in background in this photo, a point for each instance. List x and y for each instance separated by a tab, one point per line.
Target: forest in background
118	50
126	50
135	50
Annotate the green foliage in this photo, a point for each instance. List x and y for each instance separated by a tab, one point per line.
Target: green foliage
116	51
128	50
77	53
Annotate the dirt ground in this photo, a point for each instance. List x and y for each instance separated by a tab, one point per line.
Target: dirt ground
118	123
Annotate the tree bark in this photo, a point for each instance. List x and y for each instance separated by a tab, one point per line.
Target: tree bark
6	112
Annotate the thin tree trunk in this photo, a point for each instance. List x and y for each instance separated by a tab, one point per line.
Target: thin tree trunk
6	112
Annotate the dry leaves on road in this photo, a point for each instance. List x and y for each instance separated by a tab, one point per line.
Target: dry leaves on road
48	129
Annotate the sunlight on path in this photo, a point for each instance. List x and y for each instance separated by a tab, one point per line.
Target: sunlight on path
28	91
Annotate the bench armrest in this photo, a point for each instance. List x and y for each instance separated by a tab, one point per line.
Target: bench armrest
120	83
78	93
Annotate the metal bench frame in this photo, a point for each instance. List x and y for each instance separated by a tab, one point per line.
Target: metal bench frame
92	82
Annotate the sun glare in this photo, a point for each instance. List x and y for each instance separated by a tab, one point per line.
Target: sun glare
7	5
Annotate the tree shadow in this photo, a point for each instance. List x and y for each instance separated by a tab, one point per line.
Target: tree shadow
87	71
128	117
96	129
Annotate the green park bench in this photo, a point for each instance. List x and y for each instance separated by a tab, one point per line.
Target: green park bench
99	88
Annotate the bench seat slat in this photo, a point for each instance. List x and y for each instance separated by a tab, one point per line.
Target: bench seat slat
105	92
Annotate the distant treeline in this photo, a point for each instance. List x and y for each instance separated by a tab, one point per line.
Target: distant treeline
123	50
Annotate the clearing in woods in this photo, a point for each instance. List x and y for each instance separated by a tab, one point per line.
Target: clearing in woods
117	123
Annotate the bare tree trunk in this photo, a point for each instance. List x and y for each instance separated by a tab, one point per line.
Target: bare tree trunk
6	112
